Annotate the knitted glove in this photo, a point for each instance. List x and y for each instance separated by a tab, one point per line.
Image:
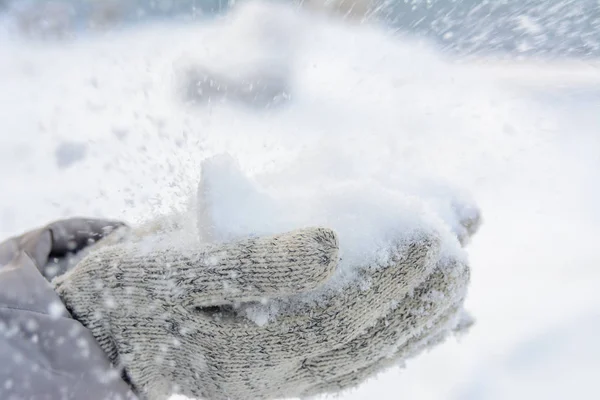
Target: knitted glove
151	307
412	314
424	318
148	304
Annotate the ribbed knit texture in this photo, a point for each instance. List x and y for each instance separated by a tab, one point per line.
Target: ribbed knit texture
164	314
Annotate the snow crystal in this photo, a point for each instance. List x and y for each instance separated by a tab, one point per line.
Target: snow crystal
256	316
261	313
109	302
56	309
107	376
18	358
31	325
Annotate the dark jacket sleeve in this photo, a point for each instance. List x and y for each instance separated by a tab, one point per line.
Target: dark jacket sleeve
44	353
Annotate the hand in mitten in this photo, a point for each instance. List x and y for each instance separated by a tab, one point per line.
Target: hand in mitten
151	306
426	316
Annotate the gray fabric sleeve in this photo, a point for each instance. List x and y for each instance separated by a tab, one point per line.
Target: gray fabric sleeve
44	353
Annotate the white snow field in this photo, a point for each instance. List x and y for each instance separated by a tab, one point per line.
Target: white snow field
98	126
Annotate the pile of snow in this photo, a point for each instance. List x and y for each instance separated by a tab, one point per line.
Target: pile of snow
373	222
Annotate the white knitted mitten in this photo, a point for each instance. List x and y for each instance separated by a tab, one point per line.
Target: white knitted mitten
148	304
166	314
423	318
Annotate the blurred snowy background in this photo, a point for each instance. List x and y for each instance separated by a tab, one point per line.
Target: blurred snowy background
108	107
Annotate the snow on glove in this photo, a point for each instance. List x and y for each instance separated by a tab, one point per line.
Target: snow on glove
402	315
424	318
150	306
